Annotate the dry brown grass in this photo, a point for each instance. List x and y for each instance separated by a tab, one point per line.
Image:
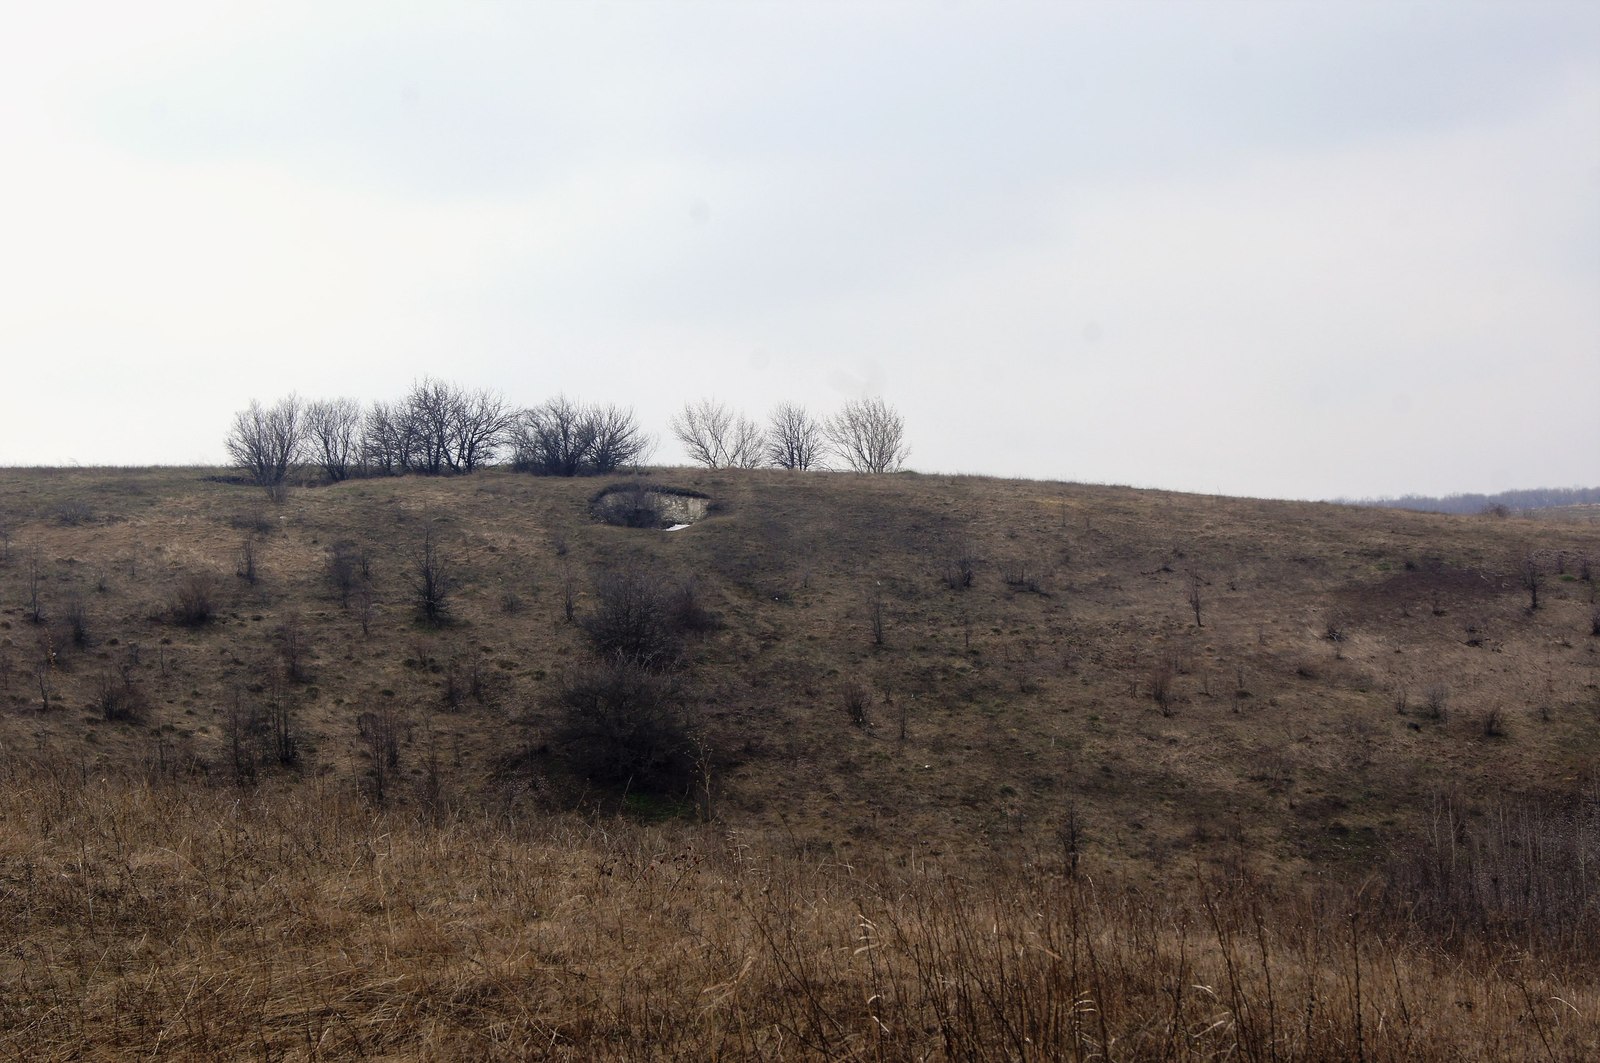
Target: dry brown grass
155	918
852	860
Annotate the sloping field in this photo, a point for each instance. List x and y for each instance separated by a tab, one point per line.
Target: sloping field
979	769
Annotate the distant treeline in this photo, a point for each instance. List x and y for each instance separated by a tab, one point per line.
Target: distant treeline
1504	502
439	428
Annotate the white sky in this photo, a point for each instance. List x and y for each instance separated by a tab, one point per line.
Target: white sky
1280	249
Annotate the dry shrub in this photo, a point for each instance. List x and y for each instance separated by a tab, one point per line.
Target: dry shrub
1519	876
294	648
1163	685
74	512
433	582
961	567
343	568
468	676
77	621
194	602
119	697
635	619
623	725
1437	697
855	697
381	730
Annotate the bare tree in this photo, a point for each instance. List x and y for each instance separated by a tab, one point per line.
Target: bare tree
333	435
35	581
794	438
554	439
564	437
430	410
1196	602
385	439
1532	578
868	435
267	442
618	439
477	425
380	450
718	437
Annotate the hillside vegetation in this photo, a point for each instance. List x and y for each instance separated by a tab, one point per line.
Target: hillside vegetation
960	768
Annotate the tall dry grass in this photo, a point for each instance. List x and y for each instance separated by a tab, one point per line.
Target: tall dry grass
157	918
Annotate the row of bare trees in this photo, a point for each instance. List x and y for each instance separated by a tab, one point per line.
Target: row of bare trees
568	438
439	428
865	435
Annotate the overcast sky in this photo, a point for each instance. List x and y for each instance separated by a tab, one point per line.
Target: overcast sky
1277	249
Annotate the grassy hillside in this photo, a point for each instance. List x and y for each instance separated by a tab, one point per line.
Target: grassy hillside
1070	674
895	680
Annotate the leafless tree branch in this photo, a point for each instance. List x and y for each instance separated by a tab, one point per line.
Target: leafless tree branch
717	437
794	438
868	435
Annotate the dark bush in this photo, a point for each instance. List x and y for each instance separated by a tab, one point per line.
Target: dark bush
247	569
119	697
633	619
74	512
195	601
960	567
855	698
623	726
343	570
294	647
432	582
77	621
1520	877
